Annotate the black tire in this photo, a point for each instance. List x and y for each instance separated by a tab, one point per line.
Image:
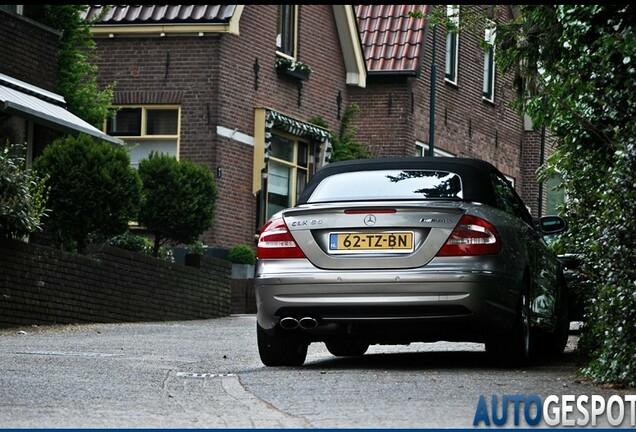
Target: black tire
276	351
347	349
512	348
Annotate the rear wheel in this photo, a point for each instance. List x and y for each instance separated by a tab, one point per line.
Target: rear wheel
346	349
513	347
276	351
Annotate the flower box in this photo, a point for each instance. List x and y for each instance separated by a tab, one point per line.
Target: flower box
292	68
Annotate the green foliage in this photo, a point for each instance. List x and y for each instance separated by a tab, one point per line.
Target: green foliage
131	242
94	192
197	248
242	254
577	78
344	145
22	195
138	243
78	75
178	199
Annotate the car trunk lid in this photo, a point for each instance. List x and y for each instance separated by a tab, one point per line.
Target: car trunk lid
373	235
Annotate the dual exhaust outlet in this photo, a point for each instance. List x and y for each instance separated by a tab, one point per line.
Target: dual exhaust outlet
306	323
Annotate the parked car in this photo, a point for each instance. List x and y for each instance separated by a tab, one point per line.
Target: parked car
401	250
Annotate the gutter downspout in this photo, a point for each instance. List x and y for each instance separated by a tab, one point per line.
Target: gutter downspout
431	122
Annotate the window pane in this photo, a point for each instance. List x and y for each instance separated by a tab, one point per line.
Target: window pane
162	121
303	154
286	28
278	188
141	150
556	195
301	181
488	65
451	40
282	148
388	184
126	122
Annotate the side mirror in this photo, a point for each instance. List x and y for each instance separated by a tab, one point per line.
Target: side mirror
552	224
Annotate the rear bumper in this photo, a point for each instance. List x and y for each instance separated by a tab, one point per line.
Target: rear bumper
384	307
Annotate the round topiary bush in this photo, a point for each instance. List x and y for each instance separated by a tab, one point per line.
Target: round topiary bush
242	254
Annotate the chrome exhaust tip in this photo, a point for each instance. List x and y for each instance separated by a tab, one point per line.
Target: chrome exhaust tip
289	323
308	323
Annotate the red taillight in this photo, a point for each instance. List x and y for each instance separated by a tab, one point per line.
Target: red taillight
472	236
276	241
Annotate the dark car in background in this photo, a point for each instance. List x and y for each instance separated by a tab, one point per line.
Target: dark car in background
402	250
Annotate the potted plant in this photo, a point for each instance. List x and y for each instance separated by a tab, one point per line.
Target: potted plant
243	260
293	68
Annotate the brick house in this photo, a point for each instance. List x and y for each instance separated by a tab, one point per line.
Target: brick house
31	111
204	83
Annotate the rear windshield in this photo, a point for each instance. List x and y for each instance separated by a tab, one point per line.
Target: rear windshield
388	184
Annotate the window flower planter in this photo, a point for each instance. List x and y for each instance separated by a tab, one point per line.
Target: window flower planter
292	68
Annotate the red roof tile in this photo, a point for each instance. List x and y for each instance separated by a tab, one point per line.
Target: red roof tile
391	40
161	14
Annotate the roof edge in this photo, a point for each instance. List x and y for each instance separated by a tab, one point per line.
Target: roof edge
351	45
163	29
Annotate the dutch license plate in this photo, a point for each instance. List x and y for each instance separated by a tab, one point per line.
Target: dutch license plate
392	242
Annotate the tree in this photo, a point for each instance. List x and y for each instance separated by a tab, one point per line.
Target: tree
94	193
344	145
22	196
78	76
178	199
576	78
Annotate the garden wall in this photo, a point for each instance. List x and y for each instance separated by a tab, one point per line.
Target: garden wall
41	285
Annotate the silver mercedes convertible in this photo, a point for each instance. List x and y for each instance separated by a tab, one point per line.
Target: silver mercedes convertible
402	250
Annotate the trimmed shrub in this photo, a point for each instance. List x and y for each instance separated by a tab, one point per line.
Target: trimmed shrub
94	192
140	244
242	254
178	199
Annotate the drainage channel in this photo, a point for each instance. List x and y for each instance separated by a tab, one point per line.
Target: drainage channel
70	354
203	375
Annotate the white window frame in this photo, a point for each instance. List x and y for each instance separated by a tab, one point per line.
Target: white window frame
452	46
421	150
294	36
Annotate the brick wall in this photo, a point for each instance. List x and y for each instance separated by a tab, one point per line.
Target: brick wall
28	51
40	285
319	47
385	121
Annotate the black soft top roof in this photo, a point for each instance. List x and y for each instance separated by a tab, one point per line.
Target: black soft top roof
476	178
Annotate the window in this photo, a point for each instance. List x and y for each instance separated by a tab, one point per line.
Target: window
556	195
146	129
388	184
289	168
452	40
286	34
508	200
489	64
16	9
421	149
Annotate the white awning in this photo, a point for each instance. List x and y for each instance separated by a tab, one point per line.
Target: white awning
23	99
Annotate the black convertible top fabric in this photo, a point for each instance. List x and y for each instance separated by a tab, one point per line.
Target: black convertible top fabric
475	174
